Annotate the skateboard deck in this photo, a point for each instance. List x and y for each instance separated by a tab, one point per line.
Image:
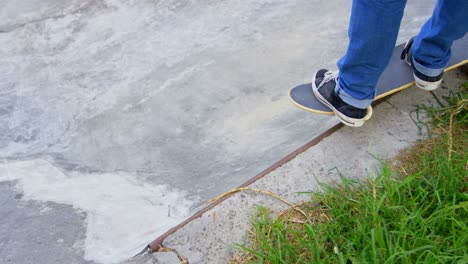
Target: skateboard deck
396	77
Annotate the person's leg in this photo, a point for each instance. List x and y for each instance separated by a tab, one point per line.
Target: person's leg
431	47
372	34
373	31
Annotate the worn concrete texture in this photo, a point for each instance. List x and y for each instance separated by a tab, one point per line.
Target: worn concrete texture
31	232
114	113
353	152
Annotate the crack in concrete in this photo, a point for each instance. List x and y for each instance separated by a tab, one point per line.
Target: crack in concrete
392	105
12	27
182	259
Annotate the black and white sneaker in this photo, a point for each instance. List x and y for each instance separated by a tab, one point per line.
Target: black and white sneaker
424	82
323	86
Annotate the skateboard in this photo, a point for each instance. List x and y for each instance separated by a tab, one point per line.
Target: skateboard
396	77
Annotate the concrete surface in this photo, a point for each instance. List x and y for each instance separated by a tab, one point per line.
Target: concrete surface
123	117
160	258
353	152
31	232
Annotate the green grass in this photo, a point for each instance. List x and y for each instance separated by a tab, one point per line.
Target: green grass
414	211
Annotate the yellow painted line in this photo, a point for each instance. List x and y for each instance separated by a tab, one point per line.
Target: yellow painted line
380	96
456	65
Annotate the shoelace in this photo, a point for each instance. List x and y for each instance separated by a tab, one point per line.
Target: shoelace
328	76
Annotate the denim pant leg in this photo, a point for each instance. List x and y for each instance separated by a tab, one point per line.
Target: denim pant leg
431	48
373	30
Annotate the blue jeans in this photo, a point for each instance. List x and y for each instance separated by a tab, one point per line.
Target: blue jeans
372	35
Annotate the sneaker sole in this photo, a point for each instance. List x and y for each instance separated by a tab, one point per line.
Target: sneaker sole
349	121
427	86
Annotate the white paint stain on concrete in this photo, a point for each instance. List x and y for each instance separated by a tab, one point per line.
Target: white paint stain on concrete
123	214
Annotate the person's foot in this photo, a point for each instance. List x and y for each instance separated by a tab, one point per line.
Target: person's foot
323	86
424	82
